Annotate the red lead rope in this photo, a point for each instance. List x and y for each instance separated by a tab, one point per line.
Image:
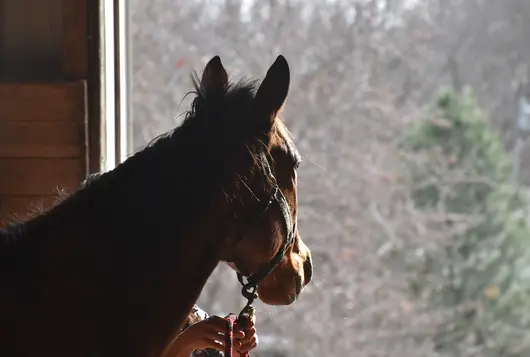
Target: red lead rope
246	315
229	339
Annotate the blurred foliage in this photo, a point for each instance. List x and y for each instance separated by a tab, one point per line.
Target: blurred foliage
482	271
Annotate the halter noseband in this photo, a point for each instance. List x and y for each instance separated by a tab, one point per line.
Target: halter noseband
278	198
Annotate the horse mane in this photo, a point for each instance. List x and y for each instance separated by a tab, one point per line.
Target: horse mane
201	117
204	105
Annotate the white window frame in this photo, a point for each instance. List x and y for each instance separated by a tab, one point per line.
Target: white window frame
115	113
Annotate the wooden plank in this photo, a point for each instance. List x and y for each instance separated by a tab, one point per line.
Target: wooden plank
43	102
40	176
75	39
41	151
20	207
42	139
30	40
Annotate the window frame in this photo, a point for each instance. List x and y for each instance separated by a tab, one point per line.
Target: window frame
115	69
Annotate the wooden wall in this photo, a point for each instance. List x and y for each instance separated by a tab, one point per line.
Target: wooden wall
46	84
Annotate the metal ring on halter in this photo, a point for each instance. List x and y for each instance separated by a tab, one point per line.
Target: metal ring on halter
249	292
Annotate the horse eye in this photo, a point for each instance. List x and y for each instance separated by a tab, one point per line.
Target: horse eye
297	164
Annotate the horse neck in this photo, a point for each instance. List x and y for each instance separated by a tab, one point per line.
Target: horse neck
161	260
24	243
191	225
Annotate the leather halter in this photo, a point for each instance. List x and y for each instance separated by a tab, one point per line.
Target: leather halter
277	198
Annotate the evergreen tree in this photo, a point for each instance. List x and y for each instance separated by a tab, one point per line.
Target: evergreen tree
487	264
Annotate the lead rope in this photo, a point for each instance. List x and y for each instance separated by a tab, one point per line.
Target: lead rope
246	316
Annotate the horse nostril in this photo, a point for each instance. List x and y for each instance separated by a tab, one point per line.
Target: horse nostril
308	270
299	285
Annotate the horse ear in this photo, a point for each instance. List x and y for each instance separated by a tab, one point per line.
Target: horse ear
214	76
272	92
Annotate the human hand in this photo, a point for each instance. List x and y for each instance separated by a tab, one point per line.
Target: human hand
249	341
208	333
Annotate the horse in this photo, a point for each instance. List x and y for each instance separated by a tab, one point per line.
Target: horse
114	268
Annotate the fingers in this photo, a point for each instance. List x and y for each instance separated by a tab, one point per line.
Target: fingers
218	343
248	346
214	326
239	333
247	334
250	342
247	323
219	324
246	329
211	333
216	323
214	336
237	345
213	344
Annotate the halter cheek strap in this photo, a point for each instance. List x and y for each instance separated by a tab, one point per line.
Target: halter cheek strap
278	198
250	287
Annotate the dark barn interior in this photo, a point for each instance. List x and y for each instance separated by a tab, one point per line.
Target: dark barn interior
50	99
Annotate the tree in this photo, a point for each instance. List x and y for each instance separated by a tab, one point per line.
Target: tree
481	272
362	71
